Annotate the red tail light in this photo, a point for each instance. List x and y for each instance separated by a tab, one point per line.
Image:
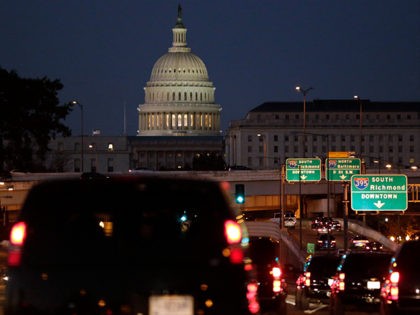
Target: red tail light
18	234
341	278
252	292
277	281
394	278
276	272
17	238
233	232
307	279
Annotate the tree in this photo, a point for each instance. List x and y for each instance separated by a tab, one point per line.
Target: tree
30	116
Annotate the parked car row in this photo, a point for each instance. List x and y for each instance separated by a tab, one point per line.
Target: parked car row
363	280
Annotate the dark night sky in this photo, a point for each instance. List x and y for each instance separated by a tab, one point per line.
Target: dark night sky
255	51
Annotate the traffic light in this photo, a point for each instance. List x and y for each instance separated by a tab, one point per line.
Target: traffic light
240	193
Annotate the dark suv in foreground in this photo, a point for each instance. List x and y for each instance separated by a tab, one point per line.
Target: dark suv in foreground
313	285
272	291
401	292
358	280
128	245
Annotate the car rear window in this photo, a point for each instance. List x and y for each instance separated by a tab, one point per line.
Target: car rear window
409	256
83	222
323	265
263	250
365	264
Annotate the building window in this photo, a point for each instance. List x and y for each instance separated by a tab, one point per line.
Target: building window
249	138
110	166
276	138
93	165
77	165
249	149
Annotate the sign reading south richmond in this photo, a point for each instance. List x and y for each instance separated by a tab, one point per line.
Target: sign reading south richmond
379	192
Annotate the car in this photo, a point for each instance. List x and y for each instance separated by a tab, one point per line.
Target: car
272	287
289	222
313	284
130	244
400	293
323	225
325	241
289	219
374	246
316	222
336	225
358	280
359	242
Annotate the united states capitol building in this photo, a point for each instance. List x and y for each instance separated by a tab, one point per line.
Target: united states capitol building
179	124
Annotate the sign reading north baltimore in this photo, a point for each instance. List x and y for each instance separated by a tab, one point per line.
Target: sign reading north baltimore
303	169
379	192
341	169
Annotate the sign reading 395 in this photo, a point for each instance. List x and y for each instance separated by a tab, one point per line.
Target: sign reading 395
379	192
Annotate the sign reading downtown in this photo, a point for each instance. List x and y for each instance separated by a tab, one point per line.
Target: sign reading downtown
342	169
379	192
303	169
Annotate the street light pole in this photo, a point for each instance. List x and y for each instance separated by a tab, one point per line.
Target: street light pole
263	138
359	101
304	93
81	135
300	209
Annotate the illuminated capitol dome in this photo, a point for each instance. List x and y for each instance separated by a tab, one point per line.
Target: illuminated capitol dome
179	97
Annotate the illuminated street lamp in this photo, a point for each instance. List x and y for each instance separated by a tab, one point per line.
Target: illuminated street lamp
81	133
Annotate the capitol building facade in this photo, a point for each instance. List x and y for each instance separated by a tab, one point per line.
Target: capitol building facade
179	98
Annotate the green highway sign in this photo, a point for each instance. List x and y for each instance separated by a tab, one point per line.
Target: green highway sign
310	248
303	170
341	169
379	192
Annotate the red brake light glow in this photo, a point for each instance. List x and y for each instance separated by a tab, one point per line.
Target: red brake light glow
395	277
276	272
307	278
17	238
341	285
233	232
18	234
394	291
